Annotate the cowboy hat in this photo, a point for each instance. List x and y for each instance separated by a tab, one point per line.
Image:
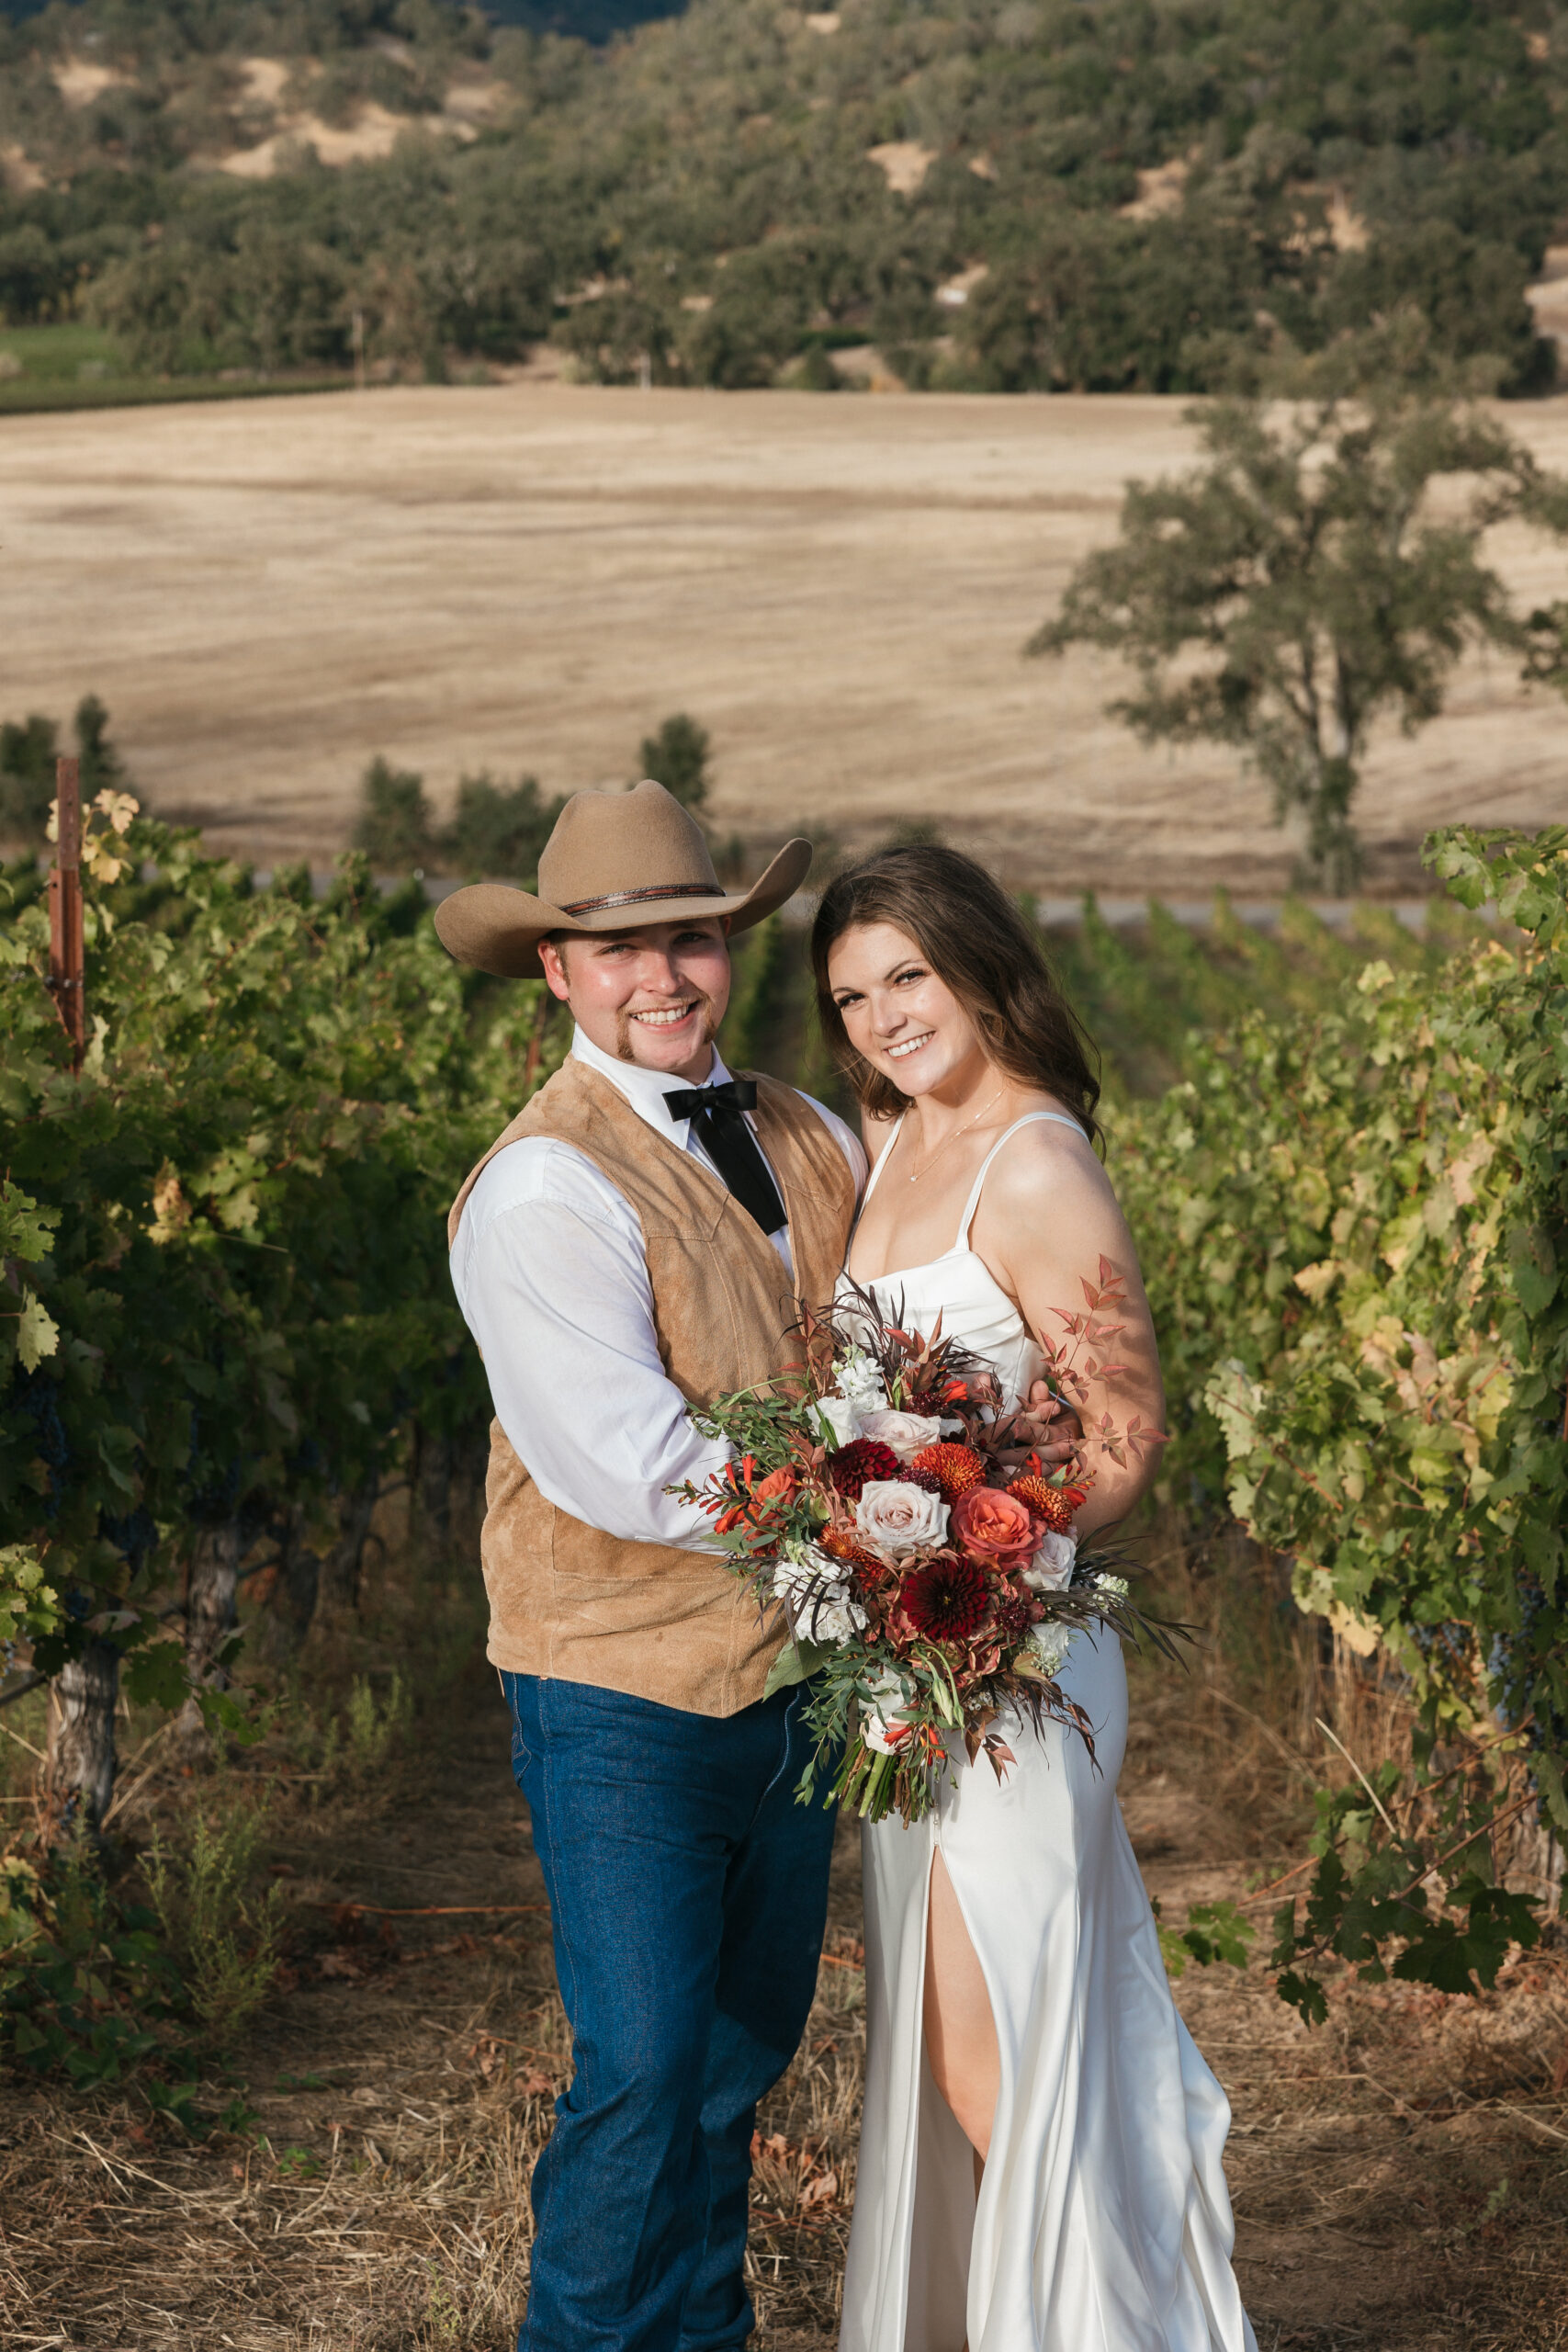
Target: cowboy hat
615	859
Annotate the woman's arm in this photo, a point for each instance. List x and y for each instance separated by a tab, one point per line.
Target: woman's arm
1046	1219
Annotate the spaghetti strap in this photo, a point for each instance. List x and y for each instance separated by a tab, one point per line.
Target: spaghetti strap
878	1163
1028	1120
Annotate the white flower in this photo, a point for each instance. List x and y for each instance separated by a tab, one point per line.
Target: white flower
842	1417
1111	1588
906	1433
812	1586
897	1517
859	1379
1052	1566
835	1621
876	1727
1050	1644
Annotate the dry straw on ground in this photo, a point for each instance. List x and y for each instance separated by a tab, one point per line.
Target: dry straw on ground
1401	2176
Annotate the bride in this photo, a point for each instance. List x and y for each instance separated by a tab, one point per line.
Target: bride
1040	2168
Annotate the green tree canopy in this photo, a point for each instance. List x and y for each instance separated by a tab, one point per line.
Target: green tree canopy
27	751
1324	566
395	826
677	757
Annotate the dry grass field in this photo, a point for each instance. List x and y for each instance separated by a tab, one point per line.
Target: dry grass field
530	576
1400	2175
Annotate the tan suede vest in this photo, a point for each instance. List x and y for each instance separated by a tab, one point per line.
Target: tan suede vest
566	1599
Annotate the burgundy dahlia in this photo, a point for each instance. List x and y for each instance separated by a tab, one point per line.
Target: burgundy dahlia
861	1463
947	1600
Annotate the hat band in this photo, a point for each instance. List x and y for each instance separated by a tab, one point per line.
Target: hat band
643	897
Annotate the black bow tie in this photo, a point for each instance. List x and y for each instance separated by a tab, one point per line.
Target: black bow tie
717	1116
691	1101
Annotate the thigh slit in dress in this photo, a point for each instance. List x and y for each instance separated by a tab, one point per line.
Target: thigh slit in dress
1103	2223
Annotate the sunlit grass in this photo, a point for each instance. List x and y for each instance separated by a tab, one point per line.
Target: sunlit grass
72	365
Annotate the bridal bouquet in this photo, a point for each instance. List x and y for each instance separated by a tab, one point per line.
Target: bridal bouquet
922	1547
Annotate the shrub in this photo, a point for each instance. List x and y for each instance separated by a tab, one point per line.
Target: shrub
677	757
226	1941
375	1727
26	775
27	750
395	826
84	1980
498	828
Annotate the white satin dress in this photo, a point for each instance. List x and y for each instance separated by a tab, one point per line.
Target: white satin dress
1103	2223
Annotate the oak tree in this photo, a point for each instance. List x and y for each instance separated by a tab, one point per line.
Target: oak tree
1324	566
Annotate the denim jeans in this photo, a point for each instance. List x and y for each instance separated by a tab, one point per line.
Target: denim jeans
688	1893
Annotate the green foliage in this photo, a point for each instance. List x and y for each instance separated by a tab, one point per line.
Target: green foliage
496	829
758	995
29	1602
225	1939
1393	1875
1214	1931
102	769
1353	1229
85	1982
499	828
233	1222
26	775
27	1331
28	751
395	826
677	757
375	1727
700	197
1319	569
1153	995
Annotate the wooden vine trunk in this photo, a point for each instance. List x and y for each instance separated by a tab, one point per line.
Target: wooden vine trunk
210	1614
80	1767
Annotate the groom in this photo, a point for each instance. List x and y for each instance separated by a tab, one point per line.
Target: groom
641	1238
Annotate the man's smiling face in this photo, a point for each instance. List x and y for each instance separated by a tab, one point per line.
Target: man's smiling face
653	995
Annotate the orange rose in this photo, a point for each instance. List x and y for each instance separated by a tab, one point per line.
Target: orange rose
997	1529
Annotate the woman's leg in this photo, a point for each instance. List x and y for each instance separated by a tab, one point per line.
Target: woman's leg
961	2035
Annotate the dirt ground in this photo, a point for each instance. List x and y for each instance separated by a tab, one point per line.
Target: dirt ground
530	576
1400	2177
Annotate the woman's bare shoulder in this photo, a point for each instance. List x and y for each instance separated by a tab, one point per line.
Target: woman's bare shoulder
1047	1166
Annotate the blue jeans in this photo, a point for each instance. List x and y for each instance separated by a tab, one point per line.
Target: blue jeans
688	1894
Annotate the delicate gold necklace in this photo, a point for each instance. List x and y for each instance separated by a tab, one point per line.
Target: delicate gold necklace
957	1132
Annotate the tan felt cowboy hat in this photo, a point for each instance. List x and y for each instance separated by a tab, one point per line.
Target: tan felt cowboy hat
615	859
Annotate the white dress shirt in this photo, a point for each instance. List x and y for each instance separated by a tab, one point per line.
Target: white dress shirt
550	1273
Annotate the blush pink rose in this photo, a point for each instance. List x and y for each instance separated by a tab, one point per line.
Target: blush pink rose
995	1528
906	1433
898	1518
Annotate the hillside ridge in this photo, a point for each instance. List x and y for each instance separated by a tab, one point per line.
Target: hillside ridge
990	195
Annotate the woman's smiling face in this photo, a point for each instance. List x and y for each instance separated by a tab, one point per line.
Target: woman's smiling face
897	1012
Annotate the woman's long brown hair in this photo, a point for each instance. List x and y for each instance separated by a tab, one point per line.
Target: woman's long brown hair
987	950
